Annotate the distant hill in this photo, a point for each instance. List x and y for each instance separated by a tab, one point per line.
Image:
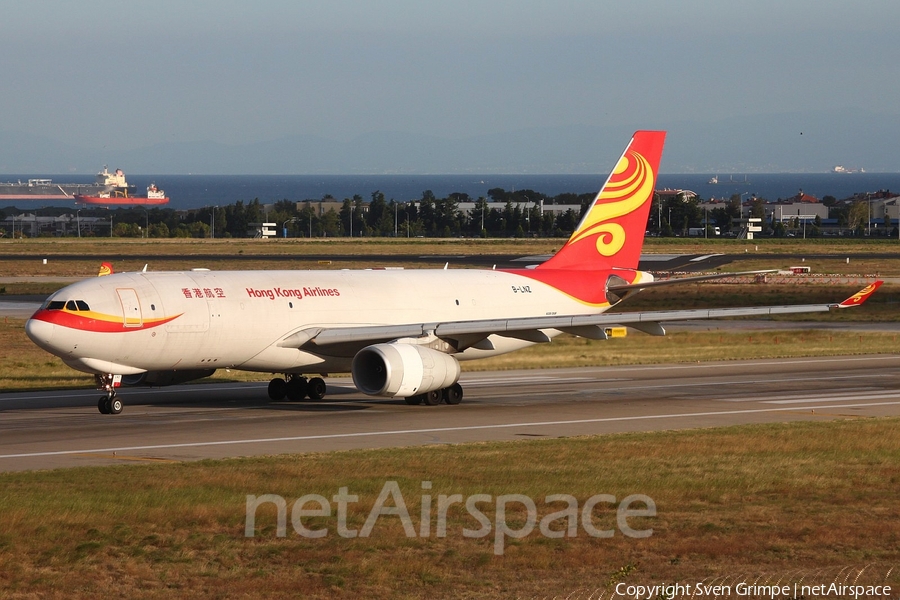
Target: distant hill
791	142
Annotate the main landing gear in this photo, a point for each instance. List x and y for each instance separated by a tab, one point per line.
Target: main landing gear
296	387
450	395
110	404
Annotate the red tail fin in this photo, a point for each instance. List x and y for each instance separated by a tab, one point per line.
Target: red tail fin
612	232
105	269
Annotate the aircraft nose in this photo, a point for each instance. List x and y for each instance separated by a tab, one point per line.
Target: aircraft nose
40	332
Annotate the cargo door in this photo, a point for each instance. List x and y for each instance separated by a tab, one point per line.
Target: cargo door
131	307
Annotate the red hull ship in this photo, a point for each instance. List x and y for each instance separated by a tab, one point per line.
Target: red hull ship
154	197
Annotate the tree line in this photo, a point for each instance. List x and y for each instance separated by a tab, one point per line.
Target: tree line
501	214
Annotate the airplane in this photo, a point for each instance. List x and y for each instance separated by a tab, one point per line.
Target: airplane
400	333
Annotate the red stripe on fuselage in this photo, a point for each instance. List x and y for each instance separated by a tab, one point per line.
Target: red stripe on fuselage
98	322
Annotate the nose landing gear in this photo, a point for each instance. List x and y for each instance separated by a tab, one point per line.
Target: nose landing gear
110	404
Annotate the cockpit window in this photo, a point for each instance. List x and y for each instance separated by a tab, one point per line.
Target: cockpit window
72	305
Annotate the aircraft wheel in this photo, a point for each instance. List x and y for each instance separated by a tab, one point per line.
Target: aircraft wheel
295	389
277	389
433	398
316	388
413	400
115	405
103	405
453	394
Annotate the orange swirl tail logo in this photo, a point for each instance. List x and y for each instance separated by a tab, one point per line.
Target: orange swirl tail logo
628	188
105	269
612	232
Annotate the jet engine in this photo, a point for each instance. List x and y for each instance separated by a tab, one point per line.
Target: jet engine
161	378
402	370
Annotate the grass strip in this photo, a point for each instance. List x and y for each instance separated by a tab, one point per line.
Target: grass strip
145	247
783	498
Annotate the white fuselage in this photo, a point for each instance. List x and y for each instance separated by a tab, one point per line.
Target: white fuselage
236	319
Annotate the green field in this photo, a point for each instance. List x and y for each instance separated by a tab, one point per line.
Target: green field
755	503
142	251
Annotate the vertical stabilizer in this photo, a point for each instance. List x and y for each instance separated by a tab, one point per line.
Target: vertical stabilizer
611	233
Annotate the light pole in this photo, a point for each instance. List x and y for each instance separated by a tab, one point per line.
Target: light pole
658	216
284	225
212	223
527	214
78	221
868	216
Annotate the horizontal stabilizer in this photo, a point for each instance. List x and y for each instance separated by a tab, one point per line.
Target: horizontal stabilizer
661	282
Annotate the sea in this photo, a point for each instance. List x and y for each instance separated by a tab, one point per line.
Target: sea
197	191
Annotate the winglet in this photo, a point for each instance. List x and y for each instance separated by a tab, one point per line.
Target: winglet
860	296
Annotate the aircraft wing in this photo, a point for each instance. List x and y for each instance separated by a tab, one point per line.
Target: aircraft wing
470	333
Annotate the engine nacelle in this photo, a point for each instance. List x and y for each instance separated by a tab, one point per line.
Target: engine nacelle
402	370
161	378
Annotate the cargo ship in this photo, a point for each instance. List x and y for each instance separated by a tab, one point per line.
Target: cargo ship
154	197
45	189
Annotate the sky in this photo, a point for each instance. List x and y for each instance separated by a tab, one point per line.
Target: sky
140	73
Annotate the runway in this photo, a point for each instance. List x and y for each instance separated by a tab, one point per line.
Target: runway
43	430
